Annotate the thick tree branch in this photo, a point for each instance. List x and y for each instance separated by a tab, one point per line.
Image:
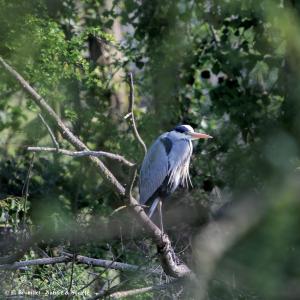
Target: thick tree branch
169	261
83	153
64	130
109	264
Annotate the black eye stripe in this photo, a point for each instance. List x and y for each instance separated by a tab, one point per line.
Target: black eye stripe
181	129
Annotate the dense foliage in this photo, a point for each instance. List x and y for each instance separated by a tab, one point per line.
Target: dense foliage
228	67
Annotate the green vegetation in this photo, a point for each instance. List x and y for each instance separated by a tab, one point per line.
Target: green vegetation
229	68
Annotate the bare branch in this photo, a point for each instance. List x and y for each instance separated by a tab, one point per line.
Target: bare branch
64	130
169	262
36	262
83	153
118	209
67	257
50	132
99	275
131	114
130	185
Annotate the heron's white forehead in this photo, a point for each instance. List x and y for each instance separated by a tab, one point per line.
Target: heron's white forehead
188	127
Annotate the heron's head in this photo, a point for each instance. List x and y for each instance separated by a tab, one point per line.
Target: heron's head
188	130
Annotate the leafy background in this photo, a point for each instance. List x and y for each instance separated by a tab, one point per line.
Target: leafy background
229	68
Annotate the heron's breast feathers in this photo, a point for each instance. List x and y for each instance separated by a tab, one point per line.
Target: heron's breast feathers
180	175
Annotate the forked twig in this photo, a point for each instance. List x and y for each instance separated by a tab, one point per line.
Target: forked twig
83	153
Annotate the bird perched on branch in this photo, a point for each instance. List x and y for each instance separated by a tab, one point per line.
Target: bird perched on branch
166	166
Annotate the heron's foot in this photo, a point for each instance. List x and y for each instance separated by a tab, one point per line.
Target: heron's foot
162	234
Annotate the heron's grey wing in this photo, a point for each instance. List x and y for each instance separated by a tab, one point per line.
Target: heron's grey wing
154	170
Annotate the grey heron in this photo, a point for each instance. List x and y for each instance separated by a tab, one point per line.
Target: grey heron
166	166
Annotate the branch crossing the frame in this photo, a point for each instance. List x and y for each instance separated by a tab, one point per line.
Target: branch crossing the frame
167	259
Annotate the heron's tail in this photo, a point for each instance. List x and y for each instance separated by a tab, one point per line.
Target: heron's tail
153	207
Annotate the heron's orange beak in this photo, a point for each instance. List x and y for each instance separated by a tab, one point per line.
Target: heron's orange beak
198	135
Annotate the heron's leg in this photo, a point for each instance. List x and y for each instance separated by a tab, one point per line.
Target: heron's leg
160	216
153	207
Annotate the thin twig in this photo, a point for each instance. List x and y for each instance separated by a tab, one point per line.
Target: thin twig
108	264
130	112
104	293
118	209
130	185
45	255
36	262
50	131
25	189
82	153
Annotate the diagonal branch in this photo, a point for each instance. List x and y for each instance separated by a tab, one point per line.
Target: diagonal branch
64	130
109	264
169	261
